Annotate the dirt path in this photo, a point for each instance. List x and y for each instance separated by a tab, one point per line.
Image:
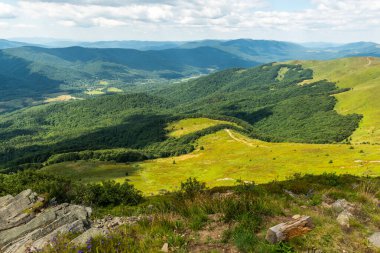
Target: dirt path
369	62
237	139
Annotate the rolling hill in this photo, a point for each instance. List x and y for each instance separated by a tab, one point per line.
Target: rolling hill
292	128
268	103
31	74
270	51
362	76
4	44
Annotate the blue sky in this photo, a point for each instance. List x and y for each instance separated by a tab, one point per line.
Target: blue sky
292	20
292	5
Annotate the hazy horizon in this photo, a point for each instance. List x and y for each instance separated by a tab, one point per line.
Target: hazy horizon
48	39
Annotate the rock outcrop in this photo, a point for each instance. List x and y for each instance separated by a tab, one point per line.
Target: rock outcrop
25	226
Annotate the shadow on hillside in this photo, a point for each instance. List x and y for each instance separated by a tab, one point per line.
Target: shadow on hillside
17	80
136	132
253	117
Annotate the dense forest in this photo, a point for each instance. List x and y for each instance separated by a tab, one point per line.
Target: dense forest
269	102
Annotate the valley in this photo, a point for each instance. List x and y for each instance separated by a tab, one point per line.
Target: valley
174	126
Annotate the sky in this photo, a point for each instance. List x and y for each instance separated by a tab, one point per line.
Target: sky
181	20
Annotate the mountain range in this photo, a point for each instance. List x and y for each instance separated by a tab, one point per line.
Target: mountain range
30	74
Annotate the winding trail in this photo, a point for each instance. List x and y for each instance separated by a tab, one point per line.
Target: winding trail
237	139
369	62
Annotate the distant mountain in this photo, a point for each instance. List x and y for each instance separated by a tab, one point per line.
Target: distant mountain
133	44
257	50
275	51
126	44
4	44
320	44
360	49
253	50
30	74
33	73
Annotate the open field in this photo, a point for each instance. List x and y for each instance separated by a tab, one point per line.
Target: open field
226	158
113	89
95	92
362	74
186	126
60	98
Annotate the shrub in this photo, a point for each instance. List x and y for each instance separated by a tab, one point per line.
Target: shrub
65	190
191	187
110	193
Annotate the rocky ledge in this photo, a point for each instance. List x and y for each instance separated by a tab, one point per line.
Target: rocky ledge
26	226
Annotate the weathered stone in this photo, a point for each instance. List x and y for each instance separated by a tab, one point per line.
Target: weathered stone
344	218
165	247
341	205
374	239
285	231
76	227
13	210
88	235
5	200
21	229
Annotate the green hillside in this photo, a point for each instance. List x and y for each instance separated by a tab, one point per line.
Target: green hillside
276	107
28	75
266	102
362	76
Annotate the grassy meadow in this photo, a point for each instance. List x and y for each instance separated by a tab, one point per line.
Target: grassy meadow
225	156
187	126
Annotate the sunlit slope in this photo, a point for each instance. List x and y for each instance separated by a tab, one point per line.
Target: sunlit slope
186	126
227	156
362	74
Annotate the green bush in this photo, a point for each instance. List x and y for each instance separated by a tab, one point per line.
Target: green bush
191	187
109	193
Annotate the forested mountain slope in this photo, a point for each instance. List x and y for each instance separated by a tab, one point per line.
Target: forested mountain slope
33	75
30	74
362	76
267	101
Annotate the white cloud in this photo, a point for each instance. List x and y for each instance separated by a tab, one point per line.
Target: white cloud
182	12
6	11
207	18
